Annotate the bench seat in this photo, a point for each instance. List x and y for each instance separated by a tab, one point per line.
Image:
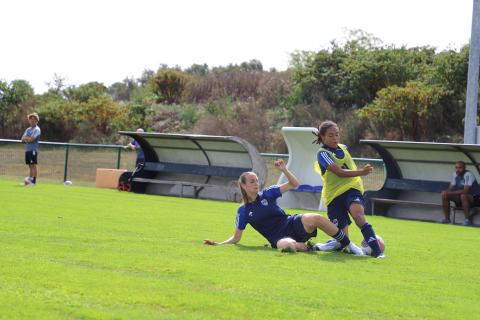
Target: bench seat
374	200
308	188
182	184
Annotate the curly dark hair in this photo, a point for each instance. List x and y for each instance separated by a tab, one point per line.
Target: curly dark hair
321	130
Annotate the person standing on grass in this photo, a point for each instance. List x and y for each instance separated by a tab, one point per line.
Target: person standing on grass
464	191
31	138
285	232
342	190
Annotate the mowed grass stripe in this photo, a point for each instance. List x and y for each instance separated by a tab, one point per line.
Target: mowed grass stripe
78	252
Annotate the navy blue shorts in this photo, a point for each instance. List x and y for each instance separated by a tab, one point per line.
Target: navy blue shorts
31	157
294	230
338	209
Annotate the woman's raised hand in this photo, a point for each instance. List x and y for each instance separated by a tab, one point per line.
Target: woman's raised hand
279	164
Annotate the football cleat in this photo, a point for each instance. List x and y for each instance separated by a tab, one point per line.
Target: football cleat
330	245
352	248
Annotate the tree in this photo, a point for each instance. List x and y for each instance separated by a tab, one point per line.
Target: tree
12	96
98	117
350	76
145	77
121	91
198	70
169	85
83	114
85	92
252	65
58	84
59	120
412	112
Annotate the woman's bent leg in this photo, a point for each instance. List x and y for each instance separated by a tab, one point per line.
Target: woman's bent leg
288	244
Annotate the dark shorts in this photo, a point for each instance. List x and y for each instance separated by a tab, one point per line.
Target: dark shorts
294	230
31	157
138	161
338	209
476	201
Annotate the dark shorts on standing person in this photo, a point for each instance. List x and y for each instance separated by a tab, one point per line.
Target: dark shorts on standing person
294	229
31	157
338	209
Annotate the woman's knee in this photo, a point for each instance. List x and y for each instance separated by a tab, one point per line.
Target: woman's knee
444	195
287	244
312	221
357	213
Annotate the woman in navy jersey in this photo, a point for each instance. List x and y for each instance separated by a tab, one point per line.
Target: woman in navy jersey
285	232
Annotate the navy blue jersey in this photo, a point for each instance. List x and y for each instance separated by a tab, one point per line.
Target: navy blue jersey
264	215
138	149
325	159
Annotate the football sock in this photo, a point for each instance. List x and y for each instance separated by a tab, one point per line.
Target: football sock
370	238
34	179
341	237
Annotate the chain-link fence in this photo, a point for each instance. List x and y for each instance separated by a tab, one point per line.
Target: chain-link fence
58	162
78	162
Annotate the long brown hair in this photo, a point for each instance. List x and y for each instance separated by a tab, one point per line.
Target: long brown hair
243	179
322	129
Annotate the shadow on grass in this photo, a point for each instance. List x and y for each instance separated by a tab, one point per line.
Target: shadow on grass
265	247
338	256
324	256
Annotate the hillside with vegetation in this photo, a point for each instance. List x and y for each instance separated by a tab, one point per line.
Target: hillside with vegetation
372	90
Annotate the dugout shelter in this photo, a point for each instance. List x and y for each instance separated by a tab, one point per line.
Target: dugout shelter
416	173
192	165
301	162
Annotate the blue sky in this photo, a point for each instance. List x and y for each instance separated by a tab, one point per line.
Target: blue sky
106	41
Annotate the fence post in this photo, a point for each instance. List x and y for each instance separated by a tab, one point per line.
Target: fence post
65	169
119	157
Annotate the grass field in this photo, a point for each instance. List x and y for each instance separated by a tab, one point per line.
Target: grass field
85	253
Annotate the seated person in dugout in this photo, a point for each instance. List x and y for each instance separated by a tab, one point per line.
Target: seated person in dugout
285	232
464	191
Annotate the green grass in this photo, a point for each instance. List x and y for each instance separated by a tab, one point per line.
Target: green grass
85	253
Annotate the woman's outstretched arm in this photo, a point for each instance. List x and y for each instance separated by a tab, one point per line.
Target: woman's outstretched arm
235	238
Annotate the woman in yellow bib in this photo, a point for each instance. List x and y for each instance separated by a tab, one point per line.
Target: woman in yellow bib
342	190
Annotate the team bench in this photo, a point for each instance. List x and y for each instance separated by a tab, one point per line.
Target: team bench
416	186
416	174
453	208
198	177
397	186
197	166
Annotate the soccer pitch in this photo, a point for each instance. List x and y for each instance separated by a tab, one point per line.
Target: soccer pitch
85	253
